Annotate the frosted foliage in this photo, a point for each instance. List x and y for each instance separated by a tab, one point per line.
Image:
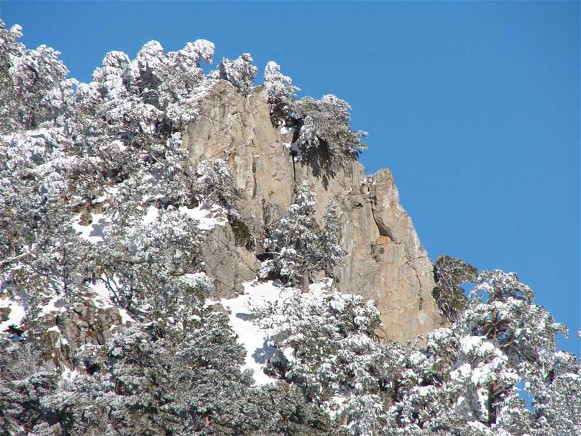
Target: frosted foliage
147	267
325	125
299	246
469	378
326	345
295	242
502	310
216	185
239	72
558	405
158	380
281	92
33	88
333	252
154	93
277	84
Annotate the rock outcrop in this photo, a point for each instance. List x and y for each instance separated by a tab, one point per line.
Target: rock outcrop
73	326
384	260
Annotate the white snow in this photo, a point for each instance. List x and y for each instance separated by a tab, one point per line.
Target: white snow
94	231
125	317
150	215
335	405
249	334
67	376
15	316
103	300
320	287
207	216
55	304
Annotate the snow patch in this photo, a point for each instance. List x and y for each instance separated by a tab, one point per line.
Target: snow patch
102	298
151	215
55	304
15	316
103	301
67	376
93	232
335	405
321	287
250	335
208	217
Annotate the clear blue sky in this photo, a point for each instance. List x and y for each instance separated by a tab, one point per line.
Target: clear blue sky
474	106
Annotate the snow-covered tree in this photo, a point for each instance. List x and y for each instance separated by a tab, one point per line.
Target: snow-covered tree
557	403
214	184
34	88
331	239
159	380
281	93
239	72
299	246
468	379
23	386
145	264
324	133
326	344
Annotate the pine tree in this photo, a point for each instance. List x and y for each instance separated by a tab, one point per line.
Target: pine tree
34	89
299	246
23	386
326	344
468	379
281	93
323	131
330	239
295	244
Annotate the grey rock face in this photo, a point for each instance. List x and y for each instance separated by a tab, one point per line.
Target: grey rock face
226	263
384	260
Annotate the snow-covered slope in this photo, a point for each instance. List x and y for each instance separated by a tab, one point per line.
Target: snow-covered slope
243	321
249	334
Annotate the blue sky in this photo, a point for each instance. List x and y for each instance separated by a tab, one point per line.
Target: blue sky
474	106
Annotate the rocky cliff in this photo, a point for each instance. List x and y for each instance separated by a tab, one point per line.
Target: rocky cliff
384	259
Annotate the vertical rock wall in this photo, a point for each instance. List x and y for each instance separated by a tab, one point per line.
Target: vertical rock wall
384	260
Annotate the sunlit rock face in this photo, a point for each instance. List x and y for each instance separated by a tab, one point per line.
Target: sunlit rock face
384	259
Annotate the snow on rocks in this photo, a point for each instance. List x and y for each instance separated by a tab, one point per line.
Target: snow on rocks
207	216
102	300
151	215
55	304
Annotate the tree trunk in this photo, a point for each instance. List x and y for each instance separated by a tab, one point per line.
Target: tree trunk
305	282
